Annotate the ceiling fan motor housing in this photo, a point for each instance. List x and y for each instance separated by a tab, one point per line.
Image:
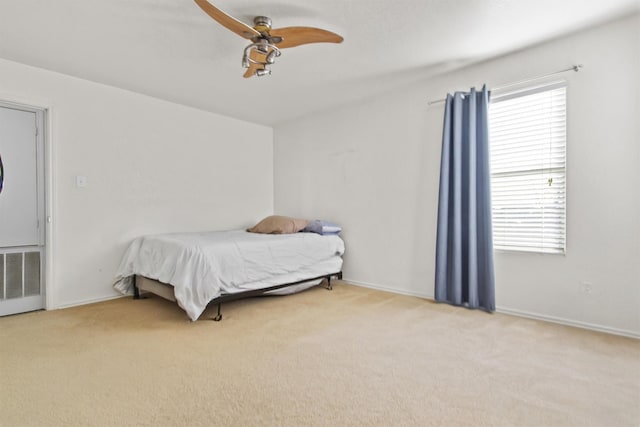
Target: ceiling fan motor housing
262	23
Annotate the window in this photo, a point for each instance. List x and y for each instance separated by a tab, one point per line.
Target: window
528	146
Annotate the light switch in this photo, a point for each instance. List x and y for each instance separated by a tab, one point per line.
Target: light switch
81	181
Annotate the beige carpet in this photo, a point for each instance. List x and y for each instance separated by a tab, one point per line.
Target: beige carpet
352	356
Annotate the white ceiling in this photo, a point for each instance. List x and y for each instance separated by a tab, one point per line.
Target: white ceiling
171	50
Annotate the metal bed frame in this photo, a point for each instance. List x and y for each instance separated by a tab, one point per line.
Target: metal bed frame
253	292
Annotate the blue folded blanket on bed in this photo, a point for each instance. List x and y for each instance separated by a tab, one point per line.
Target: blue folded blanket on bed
322	227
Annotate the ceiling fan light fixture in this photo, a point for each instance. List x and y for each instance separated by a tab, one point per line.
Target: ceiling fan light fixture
271	57
264	49
263	72
262	46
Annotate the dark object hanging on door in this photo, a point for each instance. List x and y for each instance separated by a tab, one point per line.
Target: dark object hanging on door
1	174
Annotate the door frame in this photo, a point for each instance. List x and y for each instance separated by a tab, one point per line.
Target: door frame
43	111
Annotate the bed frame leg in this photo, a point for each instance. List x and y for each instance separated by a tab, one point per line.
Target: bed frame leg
136	291
218	316
329	286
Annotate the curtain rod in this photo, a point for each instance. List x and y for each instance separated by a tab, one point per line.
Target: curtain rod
575	68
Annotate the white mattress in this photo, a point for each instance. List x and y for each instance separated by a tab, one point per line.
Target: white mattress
202	266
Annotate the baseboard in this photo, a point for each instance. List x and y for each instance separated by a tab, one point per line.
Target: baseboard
86	301
568	322
387	289
509	311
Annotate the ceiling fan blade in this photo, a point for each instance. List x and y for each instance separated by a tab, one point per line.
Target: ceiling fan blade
231	23
296	36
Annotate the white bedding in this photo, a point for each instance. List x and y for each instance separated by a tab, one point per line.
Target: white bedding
202	266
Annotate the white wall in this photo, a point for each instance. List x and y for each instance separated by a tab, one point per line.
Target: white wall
152	166
373	168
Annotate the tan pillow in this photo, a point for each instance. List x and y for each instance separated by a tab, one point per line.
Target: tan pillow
276	224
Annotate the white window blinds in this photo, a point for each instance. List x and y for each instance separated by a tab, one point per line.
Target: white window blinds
528	147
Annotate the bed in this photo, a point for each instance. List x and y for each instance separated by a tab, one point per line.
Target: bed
199	269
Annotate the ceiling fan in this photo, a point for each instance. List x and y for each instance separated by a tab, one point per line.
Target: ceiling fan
266	41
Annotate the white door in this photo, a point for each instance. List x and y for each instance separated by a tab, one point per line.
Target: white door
21	209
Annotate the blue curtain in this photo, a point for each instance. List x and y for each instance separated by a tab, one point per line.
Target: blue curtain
464	245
